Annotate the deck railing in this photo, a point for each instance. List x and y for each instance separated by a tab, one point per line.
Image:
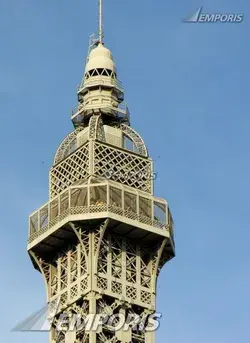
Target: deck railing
98	198
99	80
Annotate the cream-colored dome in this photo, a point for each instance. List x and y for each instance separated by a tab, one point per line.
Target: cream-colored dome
100	57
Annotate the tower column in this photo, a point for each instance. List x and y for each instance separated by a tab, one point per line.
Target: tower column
103	236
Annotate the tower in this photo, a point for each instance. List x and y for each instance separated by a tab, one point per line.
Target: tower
103	237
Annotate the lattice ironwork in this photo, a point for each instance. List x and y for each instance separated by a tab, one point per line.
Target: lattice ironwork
69	171
63	273
146	297
60	324
102	283
123	167
122	271
124	267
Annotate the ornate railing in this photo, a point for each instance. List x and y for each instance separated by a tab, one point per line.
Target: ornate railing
98	198
99	80
121	108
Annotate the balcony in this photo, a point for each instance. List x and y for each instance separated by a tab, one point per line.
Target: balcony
100	80
105	199
85	109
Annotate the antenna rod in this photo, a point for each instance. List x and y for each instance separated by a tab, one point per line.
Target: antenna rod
100	20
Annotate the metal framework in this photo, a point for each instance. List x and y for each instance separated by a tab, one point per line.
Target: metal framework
103	237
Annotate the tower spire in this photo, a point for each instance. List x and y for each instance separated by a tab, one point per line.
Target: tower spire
100	21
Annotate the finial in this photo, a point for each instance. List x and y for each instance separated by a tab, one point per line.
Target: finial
100	21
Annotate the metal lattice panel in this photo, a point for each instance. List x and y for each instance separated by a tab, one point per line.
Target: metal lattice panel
67	276
134	334
70	170
123	167
59	329
123	269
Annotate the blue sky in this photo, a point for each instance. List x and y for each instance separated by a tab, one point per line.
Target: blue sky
187	87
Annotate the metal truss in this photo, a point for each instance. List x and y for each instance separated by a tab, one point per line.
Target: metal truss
106	272
102	238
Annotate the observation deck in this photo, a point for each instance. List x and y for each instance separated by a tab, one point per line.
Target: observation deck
133	213
85	110
100	81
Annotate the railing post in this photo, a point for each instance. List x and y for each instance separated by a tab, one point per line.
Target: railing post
69	194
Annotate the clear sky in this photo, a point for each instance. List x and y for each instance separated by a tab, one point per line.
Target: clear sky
187	87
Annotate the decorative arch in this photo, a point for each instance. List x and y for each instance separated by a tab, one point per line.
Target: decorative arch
135	138
67	144
96	129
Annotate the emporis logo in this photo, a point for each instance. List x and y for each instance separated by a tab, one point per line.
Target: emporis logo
199	17
46	318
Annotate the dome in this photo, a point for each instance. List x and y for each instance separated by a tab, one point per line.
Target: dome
100	57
